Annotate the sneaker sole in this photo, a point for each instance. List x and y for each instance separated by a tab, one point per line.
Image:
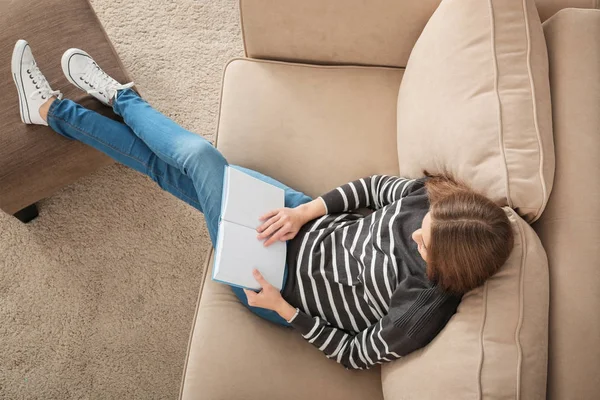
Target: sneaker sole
17	75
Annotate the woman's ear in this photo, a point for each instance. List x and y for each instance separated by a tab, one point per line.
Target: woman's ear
416	234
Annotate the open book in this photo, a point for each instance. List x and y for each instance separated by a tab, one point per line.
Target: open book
238	251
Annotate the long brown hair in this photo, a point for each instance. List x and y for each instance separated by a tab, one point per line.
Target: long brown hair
471	236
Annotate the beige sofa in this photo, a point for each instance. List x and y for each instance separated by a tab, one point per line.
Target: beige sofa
300	109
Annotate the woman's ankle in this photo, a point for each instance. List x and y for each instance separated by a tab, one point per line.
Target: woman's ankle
45	108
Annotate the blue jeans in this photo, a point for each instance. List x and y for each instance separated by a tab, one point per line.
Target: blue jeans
180	162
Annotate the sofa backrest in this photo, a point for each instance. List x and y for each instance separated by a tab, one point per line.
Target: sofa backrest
374	32
570	226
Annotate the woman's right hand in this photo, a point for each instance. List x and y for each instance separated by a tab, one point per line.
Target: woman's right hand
281	224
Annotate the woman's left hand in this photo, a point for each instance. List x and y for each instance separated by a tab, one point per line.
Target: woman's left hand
281	224
269	297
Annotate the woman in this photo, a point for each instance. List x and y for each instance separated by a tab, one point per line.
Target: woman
362	289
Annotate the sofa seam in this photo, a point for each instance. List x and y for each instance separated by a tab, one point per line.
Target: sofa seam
315	66
521	309
224	73
191	336
496	89
242	27
481	346
535	115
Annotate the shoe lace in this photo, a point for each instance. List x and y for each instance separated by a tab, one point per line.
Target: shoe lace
43	89
100	81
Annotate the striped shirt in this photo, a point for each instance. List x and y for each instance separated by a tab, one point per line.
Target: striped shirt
359	282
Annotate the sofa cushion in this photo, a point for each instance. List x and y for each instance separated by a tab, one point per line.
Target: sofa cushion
475	100
495	346
34	161
311	127
233	354
570	226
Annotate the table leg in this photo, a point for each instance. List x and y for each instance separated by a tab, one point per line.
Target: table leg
27	214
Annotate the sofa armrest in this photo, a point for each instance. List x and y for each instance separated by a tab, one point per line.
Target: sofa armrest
374	32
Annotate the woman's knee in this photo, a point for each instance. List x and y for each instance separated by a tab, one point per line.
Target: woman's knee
202	154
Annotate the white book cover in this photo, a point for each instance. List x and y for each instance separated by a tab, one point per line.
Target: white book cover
238	251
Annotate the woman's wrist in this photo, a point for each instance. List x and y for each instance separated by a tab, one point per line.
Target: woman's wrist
286	310
313	209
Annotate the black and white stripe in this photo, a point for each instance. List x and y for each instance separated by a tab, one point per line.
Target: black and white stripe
359	282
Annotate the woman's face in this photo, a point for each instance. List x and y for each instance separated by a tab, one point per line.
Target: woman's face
421	236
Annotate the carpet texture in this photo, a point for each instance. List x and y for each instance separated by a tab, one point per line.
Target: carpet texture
98	294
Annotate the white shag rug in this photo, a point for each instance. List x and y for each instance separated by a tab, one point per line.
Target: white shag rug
98	294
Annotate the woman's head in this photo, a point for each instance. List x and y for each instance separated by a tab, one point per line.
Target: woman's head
465	237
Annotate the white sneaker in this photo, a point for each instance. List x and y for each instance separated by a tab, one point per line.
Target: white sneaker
82	71
34	90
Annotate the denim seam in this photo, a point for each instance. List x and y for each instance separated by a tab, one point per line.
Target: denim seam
123	154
